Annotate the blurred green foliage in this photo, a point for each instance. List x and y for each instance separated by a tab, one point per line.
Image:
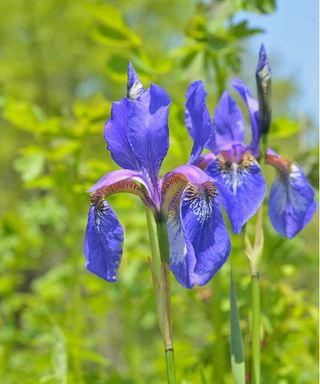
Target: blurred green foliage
62	63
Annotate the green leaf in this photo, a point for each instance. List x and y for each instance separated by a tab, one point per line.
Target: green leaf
242	30
30	166
116	68
63	148
282	127
22	115
111	29
237	351
263	6
266	6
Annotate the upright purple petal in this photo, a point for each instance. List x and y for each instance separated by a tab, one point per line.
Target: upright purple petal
103	241
199	241
116	128
291	200
240	184
134	86
148	129
228	123
197	118
253	109
116	135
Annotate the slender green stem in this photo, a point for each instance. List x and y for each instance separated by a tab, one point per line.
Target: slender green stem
236	342
161	282
170	366
254	253
163	240
255	303
153	244
219	343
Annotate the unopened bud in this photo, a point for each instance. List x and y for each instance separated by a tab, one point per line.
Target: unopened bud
263	78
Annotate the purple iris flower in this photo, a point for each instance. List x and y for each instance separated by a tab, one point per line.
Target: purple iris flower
234	165
231	163
186	199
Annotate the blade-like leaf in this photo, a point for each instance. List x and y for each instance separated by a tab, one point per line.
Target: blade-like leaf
236	343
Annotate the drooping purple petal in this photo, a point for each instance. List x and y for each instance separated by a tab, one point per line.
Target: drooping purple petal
241	186
116	135
148	129
199	241
197	118
253	109
228	123
134	85
291	200
103	241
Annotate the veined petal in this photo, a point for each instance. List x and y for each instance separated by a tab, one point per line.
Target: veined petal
103	241
291	200
228	123
116	128
148	129
241	186
134	85
199	241
197	118
116	135
173	184
253	109
122	181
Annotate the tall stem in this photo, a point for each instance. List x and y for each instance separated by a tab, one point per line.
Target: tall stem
219	343
254	254
255	332
161	282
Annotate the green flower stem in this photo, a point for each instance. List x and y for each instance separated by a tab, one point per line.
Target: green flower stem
155	262
254	254
255	332
161	281
219	343
170	366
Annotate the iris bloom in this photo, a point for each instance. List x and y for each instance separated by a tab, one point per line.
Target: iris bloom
186	199
234	165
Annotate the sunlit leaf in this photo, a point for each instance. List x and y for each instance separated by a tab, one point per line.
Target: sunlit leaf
30	166
282	127
111	29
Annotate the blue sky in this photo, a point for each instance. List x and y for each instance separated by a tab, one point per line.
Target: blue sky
292	42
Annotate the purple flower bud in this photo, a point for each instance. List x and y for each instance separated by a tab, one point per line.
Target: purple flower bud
263	78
